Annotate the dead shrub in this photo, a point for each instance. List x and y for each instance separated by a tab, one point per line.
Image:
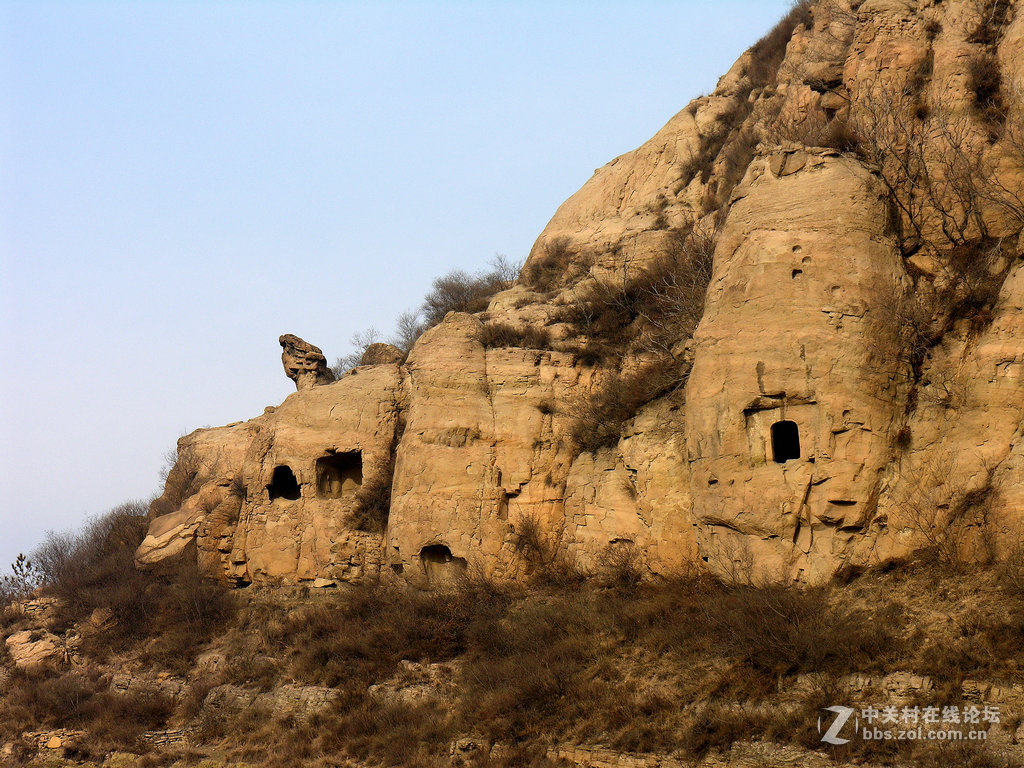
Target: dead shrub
733	159
818	130
650	308
189	611
622	567
1011	571
977	283
94	569
598	418
993	16
460	291
985	82
408	328
374	503
374	496
768	52
508	335
788	630
76	700
545	554
359	342
544	270
181	478
949	524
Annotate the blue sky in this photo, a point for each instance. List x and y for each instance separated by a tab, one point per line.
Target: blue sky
181	183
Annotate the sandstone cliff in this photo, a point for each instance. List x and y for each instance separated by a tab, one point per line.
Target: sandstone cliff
783	337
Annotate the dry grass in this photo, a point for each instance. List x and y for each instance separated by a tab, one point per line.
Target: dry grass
95	569
768	52
75	700
598	419
508	335
544	272
817	130
684	664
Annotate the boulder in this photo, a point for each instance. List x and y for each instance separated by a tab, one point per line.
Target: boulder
382	354
31	649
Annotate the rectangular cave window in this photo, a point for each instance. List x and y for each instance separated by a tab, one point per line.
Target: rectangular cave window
283	484
339	475
785	441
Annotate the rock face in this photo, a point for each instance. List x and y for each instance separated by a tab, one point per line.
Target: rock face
303	363
854	389
31	649
795	389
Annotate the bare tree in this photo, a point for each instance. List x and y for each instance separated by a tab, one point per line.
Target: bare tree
408	328
359	341
945	512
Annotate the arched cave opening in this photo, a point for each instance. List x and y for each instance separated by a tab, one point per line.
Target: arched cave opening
439	564
785	441
339	475
283	484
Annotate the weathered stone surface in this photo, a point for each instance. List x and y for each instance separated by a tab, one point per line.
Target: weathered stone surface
168	536
335	444
793	333
417	683
31	649
481	451
287	700
382	354
303	363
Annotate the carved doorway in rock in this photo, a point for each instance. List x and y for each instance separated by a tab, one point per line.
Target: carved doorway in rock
283	484
440	567
785	441
339	475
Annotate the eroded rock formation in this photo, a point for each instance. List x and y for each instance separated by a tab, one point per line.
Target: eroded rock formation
854	389
303	363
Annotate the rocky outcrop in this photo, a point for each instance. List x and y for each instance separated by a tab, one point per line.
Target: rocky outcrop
31	649
796	385
303	363
382	354
799	432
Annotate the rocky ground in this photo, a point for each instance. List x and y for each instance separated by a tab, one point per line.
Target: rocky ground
606	671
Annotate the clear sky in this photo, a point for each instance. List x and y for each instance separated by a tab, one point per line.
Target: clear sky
182	182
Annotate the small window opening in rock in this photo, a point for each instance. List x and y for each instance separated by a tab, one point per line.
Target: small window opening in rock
339	475
440	565
283	484
797	273
785	441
